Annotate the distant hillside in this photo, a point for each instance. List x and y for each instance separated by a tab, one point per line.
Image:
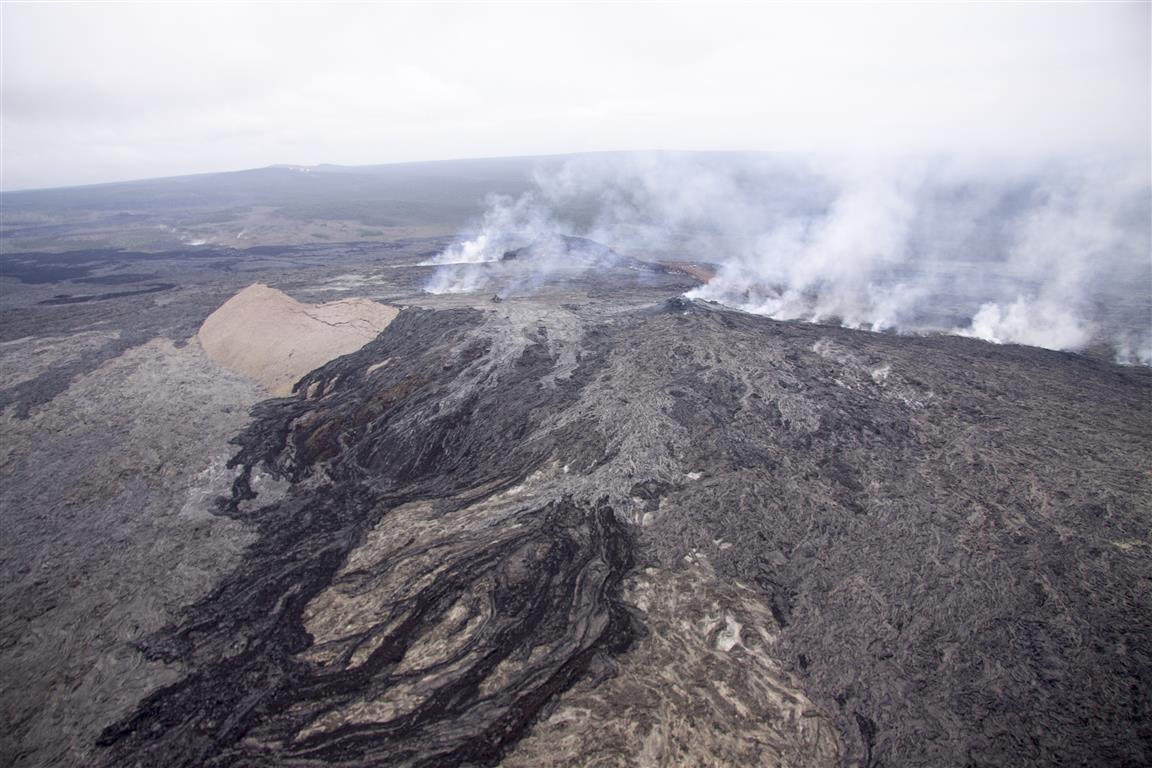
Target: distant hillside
263	204
445	184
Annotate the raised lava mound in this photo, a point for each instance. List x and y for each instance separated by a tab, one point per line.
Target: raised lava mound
948	539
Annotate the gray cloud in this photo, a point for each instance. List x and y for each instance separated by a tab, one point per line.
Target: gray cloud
95	92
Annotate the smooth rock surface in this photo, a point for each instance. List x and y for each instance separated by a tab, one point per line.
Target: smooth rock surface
269	336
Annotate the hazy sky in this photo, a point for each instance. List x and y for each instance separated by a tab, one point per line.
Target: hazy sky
98	92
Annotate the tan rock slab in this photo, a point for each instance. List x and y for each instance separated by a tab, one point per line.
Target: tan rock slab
267	335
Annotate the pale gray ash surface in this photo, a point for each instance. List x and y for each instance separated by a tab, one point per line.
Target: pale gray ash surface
594	523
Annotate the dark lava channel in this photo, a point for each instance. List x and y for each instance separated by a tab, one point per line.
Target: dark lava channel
952	538
544	583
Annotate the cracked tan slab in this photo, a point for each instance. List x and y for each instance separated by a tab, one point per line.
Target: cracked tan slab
267	335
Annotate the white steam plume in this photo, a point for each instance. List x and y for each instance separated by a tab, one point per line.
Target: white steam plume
506	222
1082	256
1052	255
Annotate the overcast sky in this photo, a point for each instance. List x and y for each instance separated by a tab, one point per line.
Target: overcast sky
99	92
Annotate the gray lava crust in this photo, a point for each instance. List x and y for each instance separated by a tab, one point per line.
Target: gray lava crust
543	584
950	539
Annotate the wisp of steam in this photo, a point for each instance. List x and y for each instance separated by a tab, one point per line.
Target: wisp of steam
1053	255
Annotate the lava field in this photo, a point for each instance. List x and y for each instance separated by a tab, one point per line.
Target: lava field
668	533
